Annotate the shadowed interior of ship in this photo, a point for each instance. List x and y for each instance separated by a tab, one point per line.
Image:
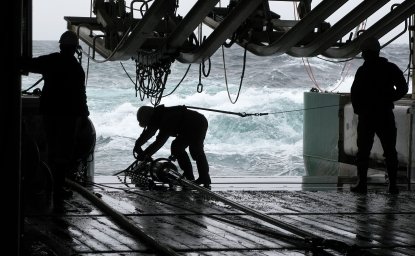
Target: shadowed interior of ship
154	36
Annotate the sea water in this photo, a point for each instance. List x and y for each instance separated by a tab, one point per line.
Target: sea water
260	145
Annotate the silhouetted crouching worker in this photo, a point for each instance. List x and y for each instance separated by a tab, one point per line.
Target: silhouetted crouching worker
189	127
377	84
63	105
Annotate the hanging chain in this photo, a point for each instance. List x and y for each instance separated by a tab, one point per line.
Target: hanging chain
151	76
151	80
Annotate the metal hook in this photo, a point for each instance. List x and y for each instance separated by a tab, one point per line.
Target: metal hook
199	88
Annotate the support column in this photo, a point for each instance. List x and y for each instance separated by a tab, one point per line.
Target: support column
10	125
412	29
411	119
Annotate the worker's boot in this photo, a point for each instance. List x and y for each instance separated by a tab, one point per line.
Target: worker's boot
203	169
392	188
188	174
361	185
185	165
205	181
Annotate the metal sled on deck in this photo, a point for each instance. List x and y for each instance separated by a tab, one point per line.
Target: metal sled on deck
151	174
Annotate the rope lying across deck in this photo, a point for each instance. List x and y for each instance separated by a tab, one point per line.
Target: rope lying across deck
123	221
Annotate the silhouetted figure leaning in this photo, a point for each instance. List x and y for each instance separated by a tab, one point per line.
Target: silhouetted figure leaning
189	127
377	84
63	105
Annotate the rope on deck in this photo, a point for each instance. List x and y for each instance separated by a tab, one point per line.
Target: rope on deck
123	221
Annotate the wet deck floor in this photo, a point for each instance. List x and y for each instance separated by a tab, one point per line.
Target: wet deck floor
191	223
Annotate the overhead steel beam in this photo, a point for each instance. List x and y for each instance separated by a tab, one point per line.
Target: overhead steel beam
132	39
297	33
378	30
84	28
338	30
232	21
189	23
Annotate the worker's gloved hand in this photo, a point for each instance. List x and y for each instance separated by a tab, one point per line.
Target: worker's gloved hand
140	155
138	152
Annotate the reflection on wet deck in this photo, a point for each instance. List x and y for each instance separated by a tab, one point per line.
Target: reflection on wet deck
191	223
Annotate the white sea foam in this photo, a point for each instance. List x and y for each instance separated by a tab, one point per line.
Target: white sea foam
254	145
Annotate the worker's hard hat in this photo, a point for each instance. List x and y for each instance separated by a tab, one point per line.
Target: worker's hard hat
370	44
69	38
144	114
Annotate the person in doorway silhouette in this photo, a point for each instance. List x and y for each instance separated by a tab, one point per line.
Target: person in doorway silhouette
63	106
189	129
377	84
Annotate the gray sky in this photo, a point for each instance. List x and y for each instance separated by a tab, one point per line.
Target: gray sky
48	22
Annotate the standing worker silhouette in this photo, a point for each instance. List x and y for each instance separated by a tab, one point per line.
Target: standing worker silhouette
63	105
377	84
189	127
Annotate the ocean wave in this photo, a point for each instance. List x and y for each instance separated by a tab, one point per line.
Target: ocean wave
269	144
